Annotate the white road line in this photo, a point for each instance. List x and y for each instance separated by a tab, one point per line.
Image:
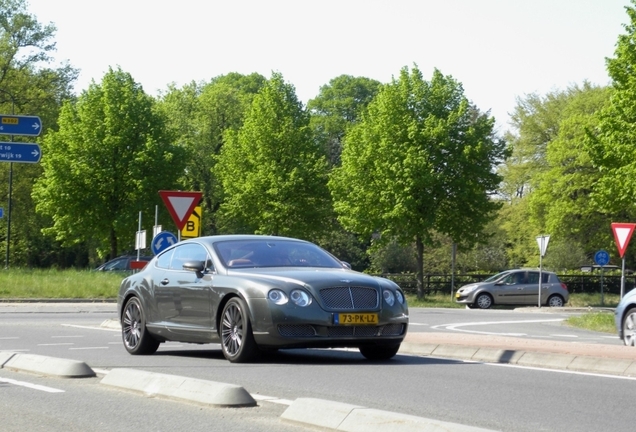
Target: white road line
31	386
57	344
456	326
65	337
90	328
9	338
563	335
417	324
87	348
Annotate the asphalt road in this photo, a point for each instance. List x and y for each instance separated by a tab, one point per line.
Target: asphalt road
497	397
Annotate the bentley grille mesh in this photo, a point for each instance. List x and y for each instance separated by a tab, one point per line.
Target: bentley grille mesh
350	297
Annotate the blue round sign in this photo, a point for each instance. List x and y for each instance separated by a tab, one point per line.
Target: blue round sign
162	241
601	258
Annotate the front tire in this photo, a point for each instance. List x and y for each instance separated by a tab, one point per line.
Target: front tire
483	301
629	328
379	352
237	339
134	333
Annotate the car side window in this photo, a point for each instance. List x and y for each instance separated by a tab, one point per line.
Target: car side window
188	253
163	260
514	278
533	278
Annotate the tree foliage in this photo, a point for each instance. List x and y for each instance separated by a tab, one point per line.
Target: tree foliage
338	106
273	173
106	163
419	162
198	116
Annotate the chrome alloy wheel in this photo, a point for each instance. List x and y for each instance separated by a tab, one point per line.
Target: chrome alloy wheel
232	329
132	323
629	328
483	301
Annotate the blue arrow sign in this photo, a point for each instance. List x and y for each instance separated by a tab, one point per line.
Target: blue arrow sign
601	258
20	152
162	241
20	125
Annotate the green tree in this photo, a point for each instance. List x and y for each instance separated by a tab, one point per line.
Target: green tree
338	106
612	144
273	173
421	161
198	116
560	203
29	85
106	163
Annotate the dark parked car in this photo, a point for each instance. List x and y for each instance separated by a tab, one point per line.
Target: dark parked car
122	263
625	317
515	287
252	293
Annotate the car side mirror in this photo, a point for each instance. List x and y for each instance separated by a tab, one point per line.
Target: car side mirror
346	264
195	266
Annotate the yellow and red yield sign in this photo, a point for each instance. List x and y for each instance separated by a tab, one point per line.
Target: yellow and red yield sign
180	205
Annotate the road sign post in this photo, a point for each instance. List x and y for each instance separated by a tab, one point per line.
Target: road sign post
622	234
18	125
602	258
542	241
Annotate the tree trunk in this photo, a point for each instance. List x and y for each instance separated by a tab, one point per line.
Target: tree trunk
113	243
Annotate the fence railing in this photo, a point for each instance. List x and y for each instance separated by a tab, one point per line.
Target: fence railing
442	283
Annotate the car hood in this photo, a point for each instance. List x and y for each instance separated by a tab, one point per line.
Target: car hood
312	276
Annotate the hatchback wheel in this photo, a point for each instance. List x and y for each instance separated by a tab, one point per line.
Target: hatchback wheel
629	328
237	339
483	301
379	352
555	301
136	338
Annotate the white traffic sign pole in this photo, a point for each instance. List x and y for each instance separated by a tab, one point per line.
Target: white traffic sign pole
542	241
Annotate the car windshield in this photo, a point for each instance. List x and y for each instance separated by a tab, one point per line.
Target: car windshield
496	277
273	253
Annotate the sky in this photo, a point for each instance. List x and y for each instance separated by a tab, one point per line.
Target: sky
500	50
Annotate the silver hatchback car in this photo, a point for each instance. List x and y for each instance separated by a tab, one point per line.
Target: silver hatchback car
514	287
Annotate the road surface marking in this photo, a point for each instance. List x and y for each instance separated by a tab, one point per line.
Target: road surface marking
31	386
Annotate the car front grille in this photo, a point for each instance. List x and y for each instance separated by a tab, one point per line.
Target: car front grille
307	330
345	298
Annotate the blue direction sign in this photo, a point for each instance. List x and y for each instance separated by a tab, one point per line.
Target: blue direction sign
20	125
20	152
601	258
162	241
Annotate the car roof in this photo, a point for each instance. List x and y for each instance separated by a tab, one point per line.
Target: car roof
229	237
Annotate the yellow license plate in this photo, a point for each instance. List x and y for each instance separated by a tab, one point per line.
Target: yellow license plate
457	295
356	319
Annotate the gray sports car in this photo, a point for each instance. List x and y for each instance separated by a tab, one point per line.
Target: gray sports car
255	293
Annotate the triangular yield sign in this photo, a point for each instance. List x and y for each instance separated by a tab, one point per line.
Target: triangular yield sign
622	235
180	205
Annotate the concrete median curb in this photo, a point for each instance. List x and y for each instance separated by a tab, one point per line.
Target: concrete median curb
43	365
175	387
353	418
546	360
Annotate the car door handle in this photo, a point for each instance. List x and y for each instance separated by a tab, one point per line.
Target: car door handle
165	281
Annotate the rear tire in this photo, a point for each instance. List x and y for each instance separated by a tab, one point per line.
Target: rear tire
237	339
555	301
134	333
379	352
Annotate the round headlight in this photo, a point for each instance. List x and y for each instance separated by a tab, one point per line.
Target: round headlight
300	298
400	296
388	297
277	296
